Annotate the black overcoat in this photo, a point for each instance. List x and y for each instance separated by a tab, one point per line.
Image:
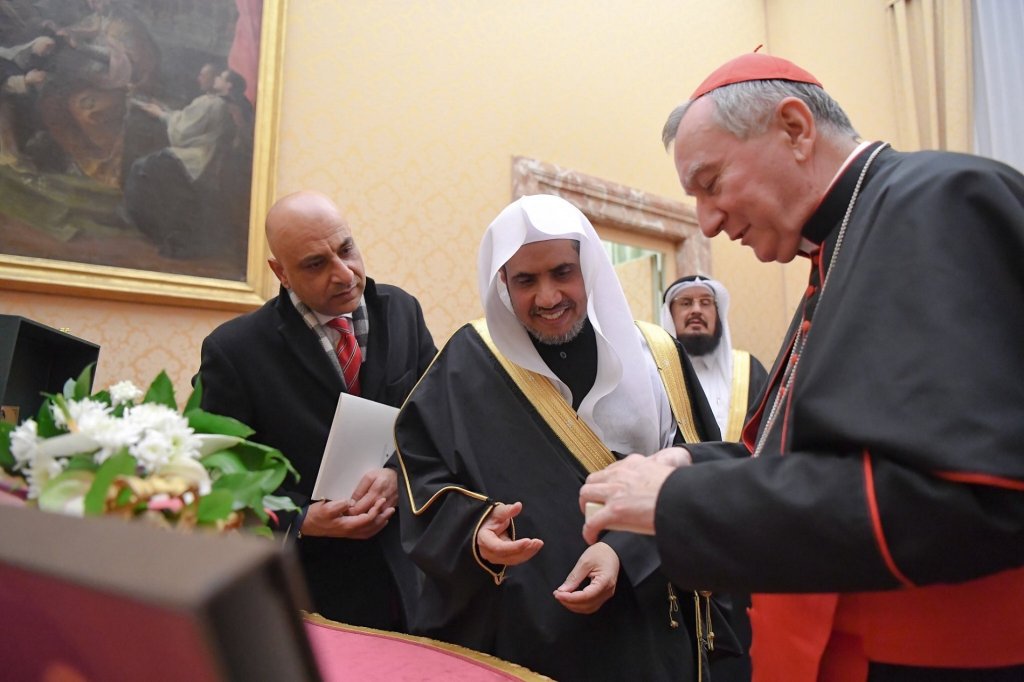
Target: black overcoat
268	370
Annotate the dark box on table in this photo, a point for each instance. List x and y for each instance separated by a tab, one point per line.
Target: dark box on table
35	359
107	599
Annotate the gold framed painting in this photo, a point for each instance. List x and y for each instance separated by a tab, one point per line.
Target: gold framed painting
137	148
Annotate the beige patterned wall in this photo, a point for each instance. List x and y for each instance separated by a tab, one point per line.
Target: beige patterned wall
846	46
409	113
136	341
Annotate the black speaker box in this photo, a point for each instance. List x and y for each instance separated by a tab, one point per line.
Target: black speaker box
35	359
102	598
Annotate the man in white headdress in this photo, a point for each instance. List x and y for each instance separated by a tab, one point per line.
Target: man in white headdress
496	439
695	311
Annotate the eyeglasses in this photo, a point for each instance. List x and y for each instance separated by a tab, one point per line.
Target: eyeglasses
688	302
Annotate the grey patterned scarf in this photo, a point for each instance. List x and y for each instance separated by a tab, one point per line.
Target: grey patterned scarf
360	326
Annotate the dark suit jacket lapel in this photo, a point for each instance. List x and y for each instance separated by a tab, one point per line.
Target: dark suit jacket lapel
371	377
305	346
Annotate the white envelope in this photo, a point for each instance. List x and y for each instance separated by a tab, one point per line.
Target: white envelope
361	439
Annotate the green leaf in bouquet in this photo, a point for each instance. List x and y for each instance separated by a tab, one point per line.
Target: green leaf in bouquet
118	465
259	456
6	458
248	487
45	426
247	490
280	460
196	399
84	383
202	421
215	506
248	457
254	460
65	491
124	496
279	503
224	462
104	397
161	392
273	470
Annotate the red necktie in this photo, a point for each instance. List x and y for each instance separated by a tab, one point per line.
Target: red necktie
349	356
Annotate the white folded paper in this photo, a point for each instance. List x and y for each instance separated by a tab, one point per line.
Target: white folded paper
361	439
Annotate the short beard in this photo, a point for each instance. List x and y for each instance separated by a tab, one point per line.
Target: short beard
699	344
561	338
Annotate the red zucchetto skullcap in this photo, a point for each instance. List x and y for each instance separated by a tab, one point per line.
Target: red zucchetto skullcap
753	67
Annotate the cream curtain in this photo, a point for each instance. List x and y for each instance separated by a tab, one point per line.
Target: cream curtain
932	51
998	76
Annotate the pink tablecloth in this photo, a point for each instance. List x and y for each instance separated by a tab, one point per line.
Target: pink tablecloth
348	654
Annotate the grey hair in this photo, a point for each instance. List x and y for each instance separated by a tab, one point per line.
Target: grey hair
745	109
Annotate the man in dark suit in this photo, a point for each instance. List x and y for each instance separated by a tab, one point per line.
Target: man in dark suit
276	369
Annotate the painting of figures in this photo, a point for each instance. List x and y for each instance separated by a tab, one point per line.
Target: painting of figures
127	132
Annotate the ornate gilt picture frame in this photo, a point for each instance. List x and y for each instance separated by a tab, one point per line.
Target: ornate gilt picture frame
134	163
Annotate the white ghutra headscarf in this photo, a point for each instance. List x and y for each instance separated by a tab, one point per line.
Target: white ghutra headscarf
714	370
627	407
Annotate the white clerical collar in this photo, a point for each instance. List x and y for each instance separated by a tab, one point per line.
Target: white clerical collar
846	164
807	247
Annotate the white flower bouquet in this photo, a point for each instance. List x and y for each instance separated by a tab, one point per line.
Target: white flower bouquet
108	453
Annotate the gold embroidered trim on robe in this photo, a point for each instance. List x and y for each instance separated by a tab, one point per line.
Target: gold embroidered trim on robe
670	368
739	395
405	476
499	576
574	433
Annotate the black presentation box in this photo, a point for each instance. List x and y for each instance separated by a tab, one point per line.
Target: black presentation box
102	598
35	359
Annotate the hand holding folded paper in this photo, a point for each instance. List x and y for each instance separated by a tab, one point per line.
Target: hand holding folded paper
361	440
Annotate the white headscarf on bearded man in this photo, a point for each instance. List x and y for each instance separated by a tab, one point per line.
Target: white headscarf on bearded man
627	408
714	370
